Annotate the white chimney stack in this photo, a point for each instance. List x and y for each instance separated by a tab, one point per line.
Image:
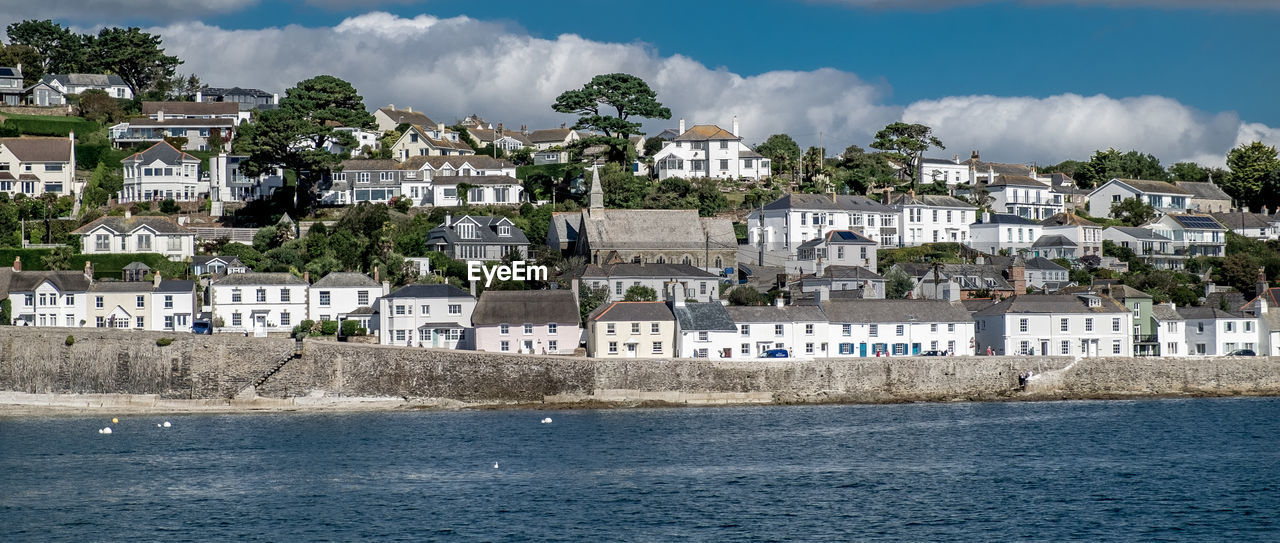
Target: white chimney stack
199	96
681	125
275	98
735	125
160	115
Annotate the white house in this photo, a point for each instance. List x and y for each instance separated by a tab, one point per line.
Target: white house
173	304
477	238
616	279
162	172
201	123
1151	246
228	184
35	166
796	218
897	327
48	298
420	141
485	189
707	150
553	138
1171	329
1044	274
1004	231
950	171
933	219
1025	197
129	234
703	329
1211	331
436	316
1084	233
52	90
844	248
801	330
1192	235
1083	324
339	294
258	303
1164	197
1259	226
388	118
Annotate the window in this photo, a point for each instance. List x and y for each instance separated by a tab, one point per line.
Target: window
324	298
653	328
1066	347
235	295
1248	325
102	242
703	336
102	323
553	346
168	301
236	319
951	327
808	348
1171	348
657	348
745	349
724	163
808	329
1200	327
746	330
455	309
610	328
617	288
1022	325
1024	347
1227	326
504	346
528	329
140	323
1115	325
504	329
285	318
144	242
284	295
262	295
1063	325
900	329
97	302
552	329
1115	347
399	335
142	301
613	347
362	298
777	329
1088	324
874	330
635	328
846	330
425	310
175	243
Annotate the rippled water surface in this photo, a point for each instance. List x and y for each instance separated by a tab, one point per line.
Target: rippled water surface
1158	470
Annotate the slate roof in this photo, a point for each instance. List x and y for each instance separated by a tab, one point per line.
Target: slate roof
180	121
1003	180
565	225
201	260
1000	168
1067	219
450	180
162	225
401	116
369	165
1204	312
772	313
850	272
487	229
1237	219
85	80
610	229
437	162
549	135
1271	294
1146	185
646	270
122	286
1139	233
521	306
704	132
345	279
65	281
176	285
1164	313
632	311
191	108
163	152
1044	264
708	316
1050	304
256	279
894	311
233	91
136	266
931	200
1055	240
839	237
39	149
1203	190
489	135
428	291
1005	218
825	202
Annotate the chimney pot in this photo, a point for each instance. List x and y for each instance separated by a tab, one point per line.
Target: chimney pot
779	302
306	277
155	282
375	274
681	125
17	263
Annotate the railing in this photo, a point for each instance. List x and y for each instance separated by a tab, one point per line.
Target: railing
1149	338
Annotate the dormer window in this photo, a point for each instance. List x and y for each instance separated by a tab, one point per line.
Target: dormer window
466	231
504	230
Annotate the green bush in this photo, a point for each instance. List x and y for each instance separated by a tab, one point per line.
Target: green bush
350	328
164	342
328	328
304	328
42	126
6	312
71	340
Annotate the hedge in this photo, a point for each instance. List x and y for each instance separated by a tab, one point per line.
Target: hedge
104	266
37	126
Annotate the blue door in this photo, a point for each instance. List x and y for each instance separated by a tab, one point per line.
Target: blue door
862	349
915	348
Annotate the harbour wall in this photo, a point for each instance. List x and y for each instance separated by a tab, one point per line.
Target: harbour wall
212	369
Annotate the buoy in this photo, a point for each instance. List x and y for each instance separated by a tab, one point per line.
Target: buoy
495	464
106	430
166	424
115	421
158	425
546	420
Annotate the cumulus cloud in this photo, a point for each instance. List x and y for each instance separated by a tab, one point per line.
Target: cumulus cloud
95	11
452	67
1164	4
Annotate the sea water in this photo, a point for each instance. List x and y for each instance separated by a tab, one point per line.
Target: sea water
1148	470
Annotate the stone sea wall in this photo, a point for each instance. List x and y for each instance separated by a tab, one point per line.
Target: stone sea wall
220	367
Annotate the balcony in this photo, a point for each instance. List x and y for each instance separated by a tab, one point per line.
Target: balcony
1150	339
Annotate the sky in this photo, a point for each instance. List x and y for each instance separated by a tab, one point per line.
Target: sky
1025	81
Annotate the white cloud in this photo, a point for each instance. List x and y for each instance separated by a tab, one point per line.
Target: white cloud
1164	4
452	67
94	12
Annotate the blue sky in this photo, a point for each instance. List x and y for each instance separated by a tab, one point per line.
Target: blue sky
1204	69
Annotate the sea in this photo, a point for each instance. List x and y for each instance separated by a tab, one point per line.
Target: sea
1143	470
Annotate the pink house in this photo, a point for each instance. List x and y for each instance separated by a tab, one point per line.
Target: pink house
526	321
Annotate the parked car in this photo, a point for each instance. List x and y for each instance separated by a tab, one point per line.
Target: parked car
775	353
1242	352
201	327
934	353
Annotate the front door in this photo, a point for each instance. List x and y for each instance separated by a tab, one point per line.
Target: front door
1044	348
260	325
528	346
862	349
631	350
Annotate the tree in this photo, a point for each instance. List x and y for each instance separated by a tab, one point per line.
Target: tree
906	144
640	293
782	152
1254	169
6	312
27	56
310	111
1106	165
858	171
60	50
97	106
589	299
1133	211
59	258
134	55
1239	271
897	284
621	189
627	95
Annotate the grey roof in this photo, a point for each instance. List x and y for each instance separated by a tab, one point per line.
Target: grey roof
1207	312
486	228
38	149
1237	219
1147	185
480	162
201	260
931	200
704	132
176	285
184	121
369	165
1050	303
1055	240
255	279
1202	222
827	202
632	311
710	316
345	279
894	311
137	266
772	313
234	91
64	281
1135	232
230	109
122	286
521	306
839	237
162	225
1203	190
646	270
850	272
970	276
610	229
163	152
1068	219
1163	312
1042	263
565	225
1005	218
1003	180
1000	168
549	135
428	291
85	80
447	180
401	116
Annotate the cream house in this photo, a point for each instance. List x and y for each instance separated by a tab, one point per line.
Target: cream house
128	234
631	330
35	166
161	173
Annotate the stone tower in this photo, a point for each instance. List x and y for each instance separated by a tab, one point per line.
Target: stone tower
596	198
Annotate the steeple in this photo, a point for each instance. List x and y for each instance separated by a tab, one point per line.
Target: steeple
596	199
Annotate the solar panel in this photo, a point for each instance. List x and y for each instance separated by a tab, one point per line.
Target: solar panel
1198	222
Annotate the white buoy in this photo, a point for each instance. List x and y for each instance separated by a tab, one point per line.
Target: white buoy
495	465
546	420
106	430
158	425
166	424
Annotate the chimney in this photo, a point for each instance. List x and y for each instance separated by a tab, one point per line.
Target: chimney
386	288
440	129
681	292
306	277
779	302
155	280
975	155
160	115
735	125
822	295
375	274
88	270
524	129
1262	282
681	125
833	195
409	109
391	107
128	214
1261	309
574	286
561	125
955	158
275	98
199	96
448	219
986	217
17	263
